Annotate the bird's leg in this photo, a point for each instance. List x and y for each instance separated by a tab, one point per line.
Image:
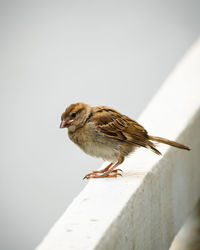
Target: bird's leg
112	172
109	173
99	171
103	170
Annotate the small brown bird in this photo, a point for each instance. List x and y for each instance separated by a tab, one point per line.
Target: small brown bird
103	132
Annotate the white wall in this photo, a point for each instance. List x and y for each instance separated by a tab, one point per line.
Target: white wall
53	53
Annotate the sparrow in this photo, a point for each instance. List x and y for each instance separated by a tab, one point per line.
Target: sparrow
103	132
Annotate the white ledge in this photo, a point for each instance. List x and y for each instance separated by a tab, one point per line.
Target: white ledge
146	207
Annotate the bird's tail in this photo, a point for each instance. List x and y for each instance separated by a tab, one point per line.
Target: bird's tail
168	142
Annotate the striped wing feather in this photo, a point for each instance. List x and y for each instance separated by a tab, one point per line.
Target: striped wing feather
120	127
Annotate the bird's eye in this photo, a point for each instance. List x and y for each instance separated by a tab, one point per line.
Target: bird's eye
73	115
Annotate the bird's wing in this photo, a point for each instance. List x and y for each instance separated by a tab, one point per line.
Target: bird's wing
120	127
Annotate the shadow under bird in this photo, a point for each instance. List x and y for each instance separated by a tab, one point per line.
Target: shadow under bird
104	132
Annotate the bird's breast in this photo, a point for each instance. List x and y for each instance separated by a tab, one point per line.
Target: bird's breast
95	144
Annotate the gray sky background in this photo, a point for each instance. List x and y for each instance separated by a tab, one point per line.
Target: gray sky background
54	53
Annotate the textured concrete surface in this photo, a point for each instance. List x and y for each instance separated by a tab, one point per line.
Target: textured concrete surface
188	238
147	206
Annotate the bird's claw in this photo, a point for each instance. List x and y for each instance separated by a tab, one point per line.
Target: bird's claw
115	170
112	174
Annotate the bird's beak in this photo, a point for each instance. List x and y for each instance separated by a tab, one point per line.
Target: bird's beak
65	123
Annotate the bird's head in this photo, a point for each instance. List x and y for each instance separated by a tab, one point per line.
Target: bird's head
75	116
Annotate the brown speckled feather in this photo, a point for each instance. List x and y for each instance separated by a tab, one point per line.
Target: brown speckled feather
120	127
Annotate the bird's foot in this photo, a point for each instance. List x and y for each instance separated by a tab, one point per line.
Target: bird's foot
102	174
